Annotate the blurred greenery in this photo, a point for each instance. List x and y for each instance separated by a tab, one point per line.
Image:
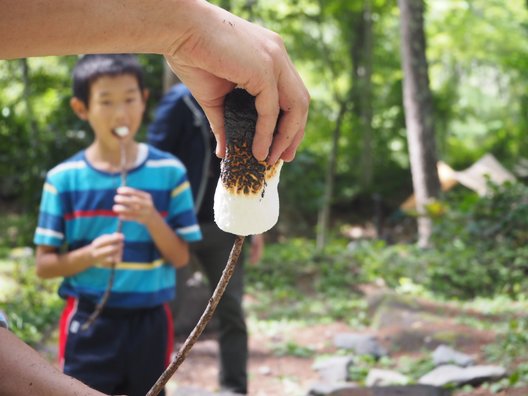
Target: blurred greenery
32	305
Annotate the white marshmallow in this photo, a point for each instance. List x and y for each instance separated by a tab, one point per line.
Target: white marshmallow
248	214
121	131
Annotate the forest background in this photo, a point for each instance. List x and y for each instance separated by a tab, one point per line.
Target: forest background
341	221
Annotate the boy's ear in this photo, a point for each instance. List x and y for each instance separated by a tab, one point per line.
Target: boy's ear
79	108
146	94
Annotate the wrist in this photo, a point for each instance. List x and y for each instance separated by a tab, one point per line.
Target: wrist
176	24
153	220
86	257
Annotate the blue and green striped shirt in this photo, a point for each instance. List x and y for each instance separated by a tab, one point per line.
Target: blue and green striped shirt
76	208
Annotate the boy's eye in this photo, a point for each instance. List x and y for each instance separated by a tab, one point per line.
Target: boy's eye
105	103
131	100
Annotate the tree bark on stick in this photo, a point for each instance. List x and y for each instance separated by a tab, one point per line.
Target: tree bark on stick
419	119
204	319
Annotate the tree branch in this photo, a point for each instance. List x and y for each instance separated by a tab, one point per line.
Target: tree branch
204	319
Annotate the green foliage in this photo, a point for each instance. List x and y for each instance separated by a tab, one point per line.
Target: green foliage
34	307
291	348
411	366
293	282
511	346
301	189
480	248
415	367
17	229
36	125
481	244
358	371
390	263
479	63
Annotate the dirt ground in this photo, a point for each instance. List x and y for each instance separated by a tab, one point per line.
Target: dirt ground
271	374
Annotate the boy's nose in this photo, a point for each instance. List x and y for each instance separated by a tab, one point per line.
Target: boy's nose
120	113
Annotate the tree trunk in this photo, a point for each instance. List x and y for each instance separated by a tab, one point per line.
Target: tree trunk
324	213
418	113
26	94
361	53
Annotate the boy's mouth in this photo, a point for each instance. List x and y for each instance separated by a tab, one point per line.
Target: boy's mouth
121	131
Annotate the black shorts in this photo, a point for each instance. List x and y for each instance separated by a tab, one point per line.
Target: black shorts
123	352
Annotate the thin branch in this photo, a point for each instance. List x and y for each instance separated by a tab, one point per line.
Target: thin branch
205	318
99	308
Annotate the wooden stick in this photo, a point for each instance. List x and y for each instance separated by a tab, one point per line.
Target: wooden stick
99	308
204	319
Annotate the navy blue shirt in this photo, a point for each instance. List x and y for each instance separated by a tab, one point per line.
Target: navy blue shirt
181	128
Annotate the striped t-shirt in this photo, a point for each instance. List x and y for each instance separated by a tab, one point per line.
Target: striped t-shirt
76	208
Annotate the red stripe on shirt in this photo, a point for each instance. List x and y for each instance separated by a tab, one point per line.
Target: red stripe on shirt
94	213
90	213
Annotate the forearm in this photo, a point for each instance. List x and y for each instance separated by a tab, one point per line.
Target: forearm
52	265
79	26
172	248
24	372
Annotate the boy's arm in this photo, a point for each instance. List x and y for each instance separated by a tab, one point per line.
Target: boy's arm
171	246
102	251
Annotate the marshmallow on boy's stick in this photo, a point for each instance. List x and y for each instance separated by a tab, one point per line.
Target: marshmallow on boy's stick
121	131
246	200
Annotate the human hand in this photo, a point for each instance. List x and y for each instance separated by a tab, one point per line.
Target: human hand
219	51
134	205
257	248
107	249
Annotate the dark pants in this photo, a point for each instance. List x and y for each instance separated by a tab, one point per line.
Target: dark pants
212	252
122	352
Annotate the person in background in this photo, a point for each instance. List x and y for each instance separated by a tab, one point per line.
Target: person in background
89	221
181	128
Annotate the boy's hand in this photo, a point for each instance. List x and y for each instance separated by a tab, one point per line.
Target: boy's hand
107	249
134	205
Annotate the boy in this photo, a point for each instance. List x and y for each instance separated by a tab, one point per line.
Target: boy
128	346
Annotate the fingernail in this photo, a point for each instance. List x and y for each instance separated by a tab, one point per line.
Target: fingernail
272	158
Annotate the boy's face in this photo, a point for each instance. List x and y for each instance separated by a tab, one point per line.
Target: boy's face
115	101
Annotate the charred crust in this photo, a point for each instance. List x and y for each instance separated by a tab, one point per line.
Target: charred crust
240	117
241	173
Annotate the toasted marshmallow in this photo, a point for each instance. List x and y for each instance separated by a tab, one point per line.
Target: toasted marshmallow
121	131
247	213
246	200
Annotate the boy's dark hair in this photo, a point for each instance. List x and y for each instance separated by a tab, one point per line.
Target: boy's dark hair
91	67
